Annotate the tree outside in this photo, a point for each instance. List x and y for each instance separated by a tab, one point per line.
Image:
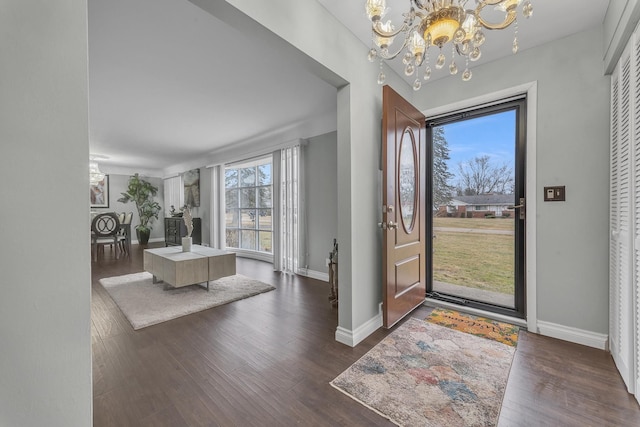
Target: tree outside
481	175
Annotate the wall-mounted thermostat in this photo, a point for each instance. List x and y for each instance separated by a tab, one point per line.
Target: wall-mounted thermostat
554	194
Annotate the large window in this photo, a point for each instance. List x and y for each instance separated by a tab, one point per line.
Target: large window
249	207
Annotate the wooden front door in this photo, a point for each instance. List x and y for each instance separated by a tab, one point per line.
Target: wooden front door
403	211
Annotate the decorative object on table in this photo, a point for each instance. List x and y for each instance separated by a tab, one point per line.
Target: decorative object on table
441	25
145	303
142	193
333	274
99	193
174	213
505	333
423	374
188	222
191	180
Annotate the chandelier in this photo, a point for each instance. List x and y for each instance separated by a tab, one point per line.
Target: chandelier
438	23
95	175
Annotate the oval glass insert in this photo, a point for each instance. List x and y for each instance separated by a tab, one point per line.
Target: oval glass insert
407	179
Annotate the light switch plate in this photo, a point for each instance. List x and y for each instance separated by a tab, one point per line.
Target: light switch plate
554	194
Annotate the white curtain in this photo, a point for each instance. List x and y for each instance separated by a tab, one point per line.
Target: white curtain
173	193
289	204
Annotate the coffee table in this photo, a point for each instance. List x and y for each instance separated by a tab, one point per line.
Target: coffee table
178	269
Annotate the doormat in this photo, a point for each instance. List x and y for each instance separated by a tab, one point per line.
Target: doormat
474	325
423	374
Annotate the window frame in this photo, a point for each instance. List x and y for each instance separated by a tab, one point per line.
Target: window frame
248	198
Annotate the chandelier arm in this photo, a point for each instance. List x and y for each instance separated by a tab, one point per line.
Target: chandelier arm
384	54
405	27
510	16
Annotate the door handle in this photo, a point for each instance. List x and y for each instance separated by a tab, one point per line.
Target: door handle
388	225
521	206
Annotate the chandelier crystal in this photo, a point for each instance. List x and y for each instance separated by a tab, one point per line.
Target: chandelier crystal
436	23
95	175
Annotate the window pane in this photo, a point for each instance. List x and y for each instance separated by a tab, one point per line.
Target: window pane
231	218
248	177
249	204
264	197
232	239
264	174
230	178
265	241
264	219
248	217
248	239
248	197
231	198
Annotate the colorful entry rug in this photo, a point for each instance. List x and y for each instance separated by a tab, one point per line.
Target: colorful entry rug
145	303
423	374
479	326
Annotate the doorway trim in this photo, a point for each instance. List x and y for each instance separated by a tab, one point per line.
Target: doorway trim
531	90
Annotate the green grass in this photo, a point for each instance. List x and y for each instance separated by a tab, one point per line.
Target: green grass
475	260
477	223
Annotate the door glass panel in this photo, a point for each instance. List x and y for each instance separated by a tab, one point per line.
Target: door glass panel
473	216
407	180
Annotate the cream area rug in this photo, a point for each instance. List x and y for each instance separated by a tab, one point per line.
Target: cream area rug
423	374
145	303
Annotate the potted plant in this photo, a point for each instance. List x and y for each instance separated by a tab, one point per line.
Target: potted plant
142	193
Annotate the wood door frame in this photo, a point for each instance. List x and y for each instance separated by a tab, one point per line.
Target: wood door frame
531	91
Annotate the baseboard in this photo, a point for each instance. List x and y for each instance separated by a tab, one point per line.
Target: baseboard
355	337
574	335
154	240
318	275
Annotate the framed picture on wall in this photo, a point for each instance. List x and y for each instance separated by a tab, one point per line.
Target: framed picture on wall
100	193
191	181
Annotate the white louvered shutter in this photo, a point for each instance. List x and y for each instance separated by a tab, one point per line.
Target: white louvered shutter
624	216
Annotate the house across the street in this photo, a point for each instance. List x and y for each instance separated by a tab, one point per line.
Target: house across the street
479	206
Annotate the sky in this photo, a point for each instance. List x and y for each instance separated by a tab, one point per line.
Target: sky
492	135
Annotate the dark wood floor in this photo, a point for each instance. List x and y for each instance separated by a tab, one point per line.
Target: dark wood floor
268	360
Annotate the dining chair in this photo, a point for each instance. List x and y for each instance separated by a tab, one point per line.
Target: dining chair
124	236
104	231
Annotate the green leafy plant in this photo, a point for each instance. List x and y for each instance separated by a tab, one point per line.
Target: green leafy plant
142	192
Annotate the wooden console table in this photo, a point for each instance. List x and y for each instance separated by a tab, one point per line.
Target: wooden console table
177	268
175	230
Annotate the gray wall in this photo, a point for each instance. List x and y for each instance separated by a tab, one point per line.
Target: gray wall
572	150
45	339
321	200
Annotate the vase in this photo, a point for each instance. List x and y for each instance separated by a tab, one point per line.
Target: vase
143	236
186	244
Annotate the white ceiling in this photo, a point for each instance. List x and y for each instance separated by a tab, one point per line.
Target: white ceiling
551	20
169	83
